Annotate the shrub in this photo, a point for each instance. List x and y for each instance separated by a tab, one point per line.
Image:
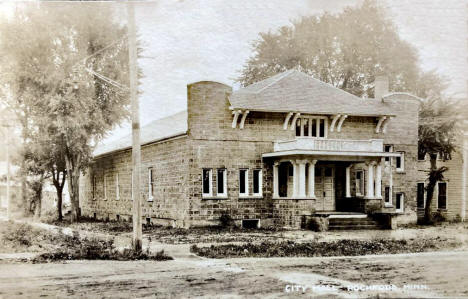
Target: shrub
225	220
318	224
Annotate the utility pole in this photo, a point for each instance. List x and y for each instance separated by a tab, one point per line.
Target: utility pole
8	175
136	147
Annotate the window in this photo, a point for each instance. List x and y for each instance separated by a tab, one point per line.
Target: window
388	196
207	182
93	187
150	184
257	182
421	155
399	204
222	182
117	187
312	126
388	149
442	197
105	187
400	162
420	196
359	183
243	182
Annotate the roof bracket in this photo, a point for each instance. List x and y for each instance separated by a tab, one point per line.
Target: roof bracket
286	120
379	124
293	122
335	119
244	116
385	124
343	117
236	116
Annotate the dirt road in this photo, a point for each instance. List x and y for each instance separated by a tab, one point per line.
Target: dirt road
424	275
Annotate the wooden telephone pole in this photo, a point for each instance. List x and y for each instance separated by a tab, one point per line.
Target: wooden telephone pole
136	147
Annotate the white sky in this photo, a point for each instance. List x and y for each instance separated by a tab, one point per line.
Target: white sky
192	40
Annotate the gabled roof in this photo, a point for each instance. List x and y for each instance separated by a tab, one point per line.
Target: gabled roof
159	129
294	91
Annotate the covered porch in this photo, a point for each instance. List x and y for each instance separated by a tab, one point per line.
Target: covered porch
338	176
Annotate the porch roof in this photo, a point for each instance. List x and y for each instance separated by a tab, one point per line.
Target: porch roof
330	154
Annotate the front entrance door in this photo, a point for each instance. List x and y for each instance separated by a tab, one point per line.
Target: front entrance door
325	188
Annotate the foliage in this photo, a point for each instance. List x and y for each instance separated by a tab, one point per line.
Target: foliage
330	248
346	50
56	92
438	133
226	220
318	224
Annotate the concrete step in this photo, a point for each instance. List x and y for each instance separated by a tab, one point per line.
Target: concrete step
353	223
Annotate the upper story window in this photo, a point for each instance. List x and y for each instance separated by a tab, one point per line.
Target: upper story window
316	126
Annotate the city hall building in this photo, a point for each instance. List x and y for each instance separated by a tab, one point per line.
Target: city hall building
276	153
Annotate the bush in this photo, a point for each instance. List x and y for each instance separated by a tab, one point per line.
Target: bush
318	224
225	220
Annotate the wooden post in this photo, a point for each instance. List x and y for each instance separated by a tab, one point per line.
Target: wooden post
136	147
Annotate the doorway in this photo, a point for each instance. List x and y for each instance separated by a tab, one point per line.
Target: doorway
325	188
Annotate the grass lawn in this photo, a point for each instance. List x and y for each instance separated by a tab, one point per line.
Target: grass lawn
55	245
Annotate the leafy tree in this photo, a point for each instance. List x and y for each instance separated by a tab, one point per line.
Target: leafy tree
66	66
438	134
346	50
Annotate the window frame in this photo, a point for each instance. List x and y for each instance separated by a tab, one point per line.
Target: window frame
438	195
423	195
105	186
312	123
402	162
388	160
388	203
93	187
150	184
224	194
210	183
246	182
260	182
402	203
117	187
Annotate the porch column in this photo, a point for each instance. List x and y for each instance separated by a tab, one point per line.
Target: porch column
370	180
295	178
348	181
302	178
378	179
275	180
312	178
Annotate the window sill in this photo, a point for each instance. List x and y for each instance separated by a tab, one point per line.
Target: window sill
388	205
213	197
294	198
251	197
402	171
150	199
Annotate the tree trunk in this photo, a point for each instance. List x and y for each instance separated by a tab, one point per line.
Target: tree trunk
59	188
59	205
430	189
73	187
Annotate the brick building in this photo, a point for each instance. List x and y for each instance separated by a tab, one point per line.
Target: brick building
274	153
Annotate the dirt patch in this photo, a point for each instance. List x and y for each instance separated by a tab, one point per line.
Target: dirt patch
324	248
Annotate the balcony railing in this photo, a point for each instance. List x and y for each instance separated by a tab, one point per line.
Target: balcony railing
319	144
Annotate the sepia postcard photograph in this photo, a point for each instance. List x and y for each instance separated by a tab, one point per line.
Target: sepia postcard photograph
234	149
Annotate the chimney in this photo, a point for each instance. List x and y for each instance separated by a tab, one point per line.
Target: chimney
380	87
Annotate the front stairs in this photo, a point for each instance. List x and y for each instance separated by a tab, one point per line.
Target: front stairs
352	222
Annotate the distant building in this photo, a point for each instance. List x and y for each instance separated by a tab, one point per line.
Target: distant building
276	153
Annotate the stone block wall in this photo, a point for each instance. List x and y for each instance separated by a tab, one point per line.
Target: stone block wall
170	167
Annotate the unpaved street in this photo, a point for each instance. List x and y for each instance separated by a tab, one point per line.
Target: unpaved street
427	274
